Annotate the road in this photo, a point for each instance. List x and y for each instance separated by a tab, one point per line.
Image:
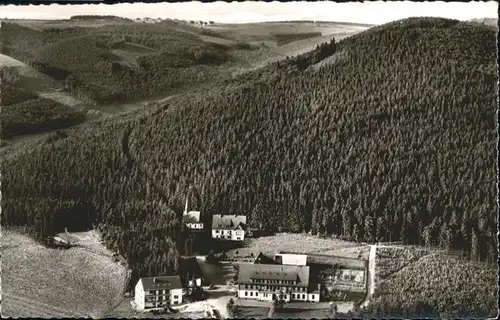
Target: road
371	275
217	300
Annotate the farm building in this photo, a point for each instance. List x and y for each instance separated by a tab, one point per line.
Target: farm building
229	227
158	292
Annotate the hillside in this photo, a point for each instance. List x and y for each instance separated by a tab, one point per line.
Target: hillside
32	102
108	60
436	285
100	63
393	139
52	283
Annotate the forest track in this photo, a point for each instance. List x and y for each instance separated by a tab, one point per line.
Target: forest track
370	288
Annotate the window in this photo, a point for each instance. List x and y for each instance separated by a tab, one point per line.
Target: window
303	296
176	297
312	296
251	294
293	295
246	293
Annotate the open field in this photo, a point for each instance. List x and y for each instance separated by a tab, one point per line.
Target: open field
360	252
259	309
37	82
42	282
265	31
249	312
278	40
294	242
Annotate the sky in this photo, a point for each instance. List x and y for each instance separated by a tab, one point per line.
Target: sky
242	12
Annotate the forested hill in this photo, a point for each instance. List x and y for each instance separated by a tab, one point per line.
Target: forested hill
387	135
392	138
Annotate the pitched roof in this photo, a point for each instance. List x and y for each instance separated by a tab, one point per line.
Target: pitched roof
162	282
249	271
263	259
192	216
228	221
189	266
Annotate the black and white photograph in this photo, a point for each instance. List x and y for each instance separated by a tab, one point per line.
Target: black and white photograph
249	160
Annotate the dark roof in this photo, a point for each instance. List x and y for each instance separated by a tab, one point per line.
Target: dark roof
249	271
162	282
263	259
189	266
228	221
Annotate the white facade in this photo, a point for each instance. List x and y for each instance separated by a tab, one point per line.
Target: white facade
268	296
292	259
139	296
156	298
195	282
197	226
234	235
257	295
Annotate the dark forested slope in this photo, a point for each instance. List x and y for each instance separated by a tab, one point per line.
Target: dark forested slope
389	136
394	140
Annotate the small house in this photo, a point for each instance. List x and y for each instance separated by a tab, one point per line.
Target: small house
229	227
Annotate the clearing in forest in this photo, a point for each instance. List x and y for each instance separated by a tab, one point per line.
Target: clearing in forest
42	282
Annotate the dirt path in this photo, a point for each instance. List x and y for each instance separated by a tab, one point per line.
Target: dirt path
220	304
371	275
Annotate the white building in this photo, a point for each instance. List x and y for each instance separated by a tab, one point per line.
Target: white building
274	281
192	218
291	259
229	227
158	292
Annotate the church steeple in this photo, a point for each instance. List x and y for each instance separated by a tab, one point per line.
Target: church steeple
186	208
